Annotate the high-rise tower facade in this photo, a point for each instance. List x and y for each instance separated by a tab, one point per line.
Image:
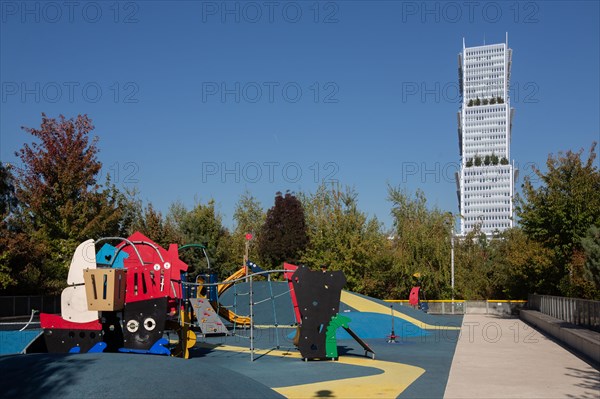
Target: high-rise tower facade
485	182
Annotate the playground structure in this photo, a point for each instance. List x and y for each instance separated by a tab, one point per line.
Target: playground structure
417	297
126	298
121	299
316	296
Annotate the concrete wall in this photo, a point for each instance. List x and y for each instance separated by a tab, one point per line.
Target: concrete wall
583	341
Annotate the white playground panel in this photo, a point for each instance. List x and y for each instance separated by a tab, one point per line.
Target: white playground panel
73	300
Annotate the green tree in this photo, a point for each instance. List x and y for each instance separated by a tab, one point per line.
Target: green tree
21	259
23	266
60	201
203	225
494	159
153	225
559	212
475	274
249	217
8	202
591	246
283	236
522	265
344	238
422	240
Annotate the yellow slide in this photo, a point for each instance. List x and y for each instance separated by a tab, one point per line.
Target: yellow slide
232	317
221	288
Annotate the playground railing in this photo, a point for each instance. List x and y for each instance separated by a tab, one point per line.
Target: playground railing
580	312
460	306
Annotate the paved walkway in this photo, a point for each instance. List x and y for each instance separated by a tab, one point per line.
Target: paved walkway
505	358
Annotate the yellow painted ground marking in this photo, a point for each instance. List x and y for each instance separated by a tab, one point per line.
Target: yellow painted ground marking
245	350
365	305
396	377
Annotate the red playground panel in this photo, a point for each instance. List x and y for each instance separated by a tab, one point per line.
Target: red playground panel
413	299
153	278
290	269
56	321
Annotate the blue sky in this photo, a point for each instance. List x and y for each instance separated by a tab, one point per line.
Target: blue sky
200	100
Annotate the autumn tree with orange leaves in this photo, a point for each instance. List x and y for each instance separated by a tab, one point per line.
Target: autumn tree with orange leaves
60	201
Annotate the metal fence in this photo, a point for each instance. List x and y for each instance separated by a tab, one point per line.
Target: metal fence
14	306
580	312
460	306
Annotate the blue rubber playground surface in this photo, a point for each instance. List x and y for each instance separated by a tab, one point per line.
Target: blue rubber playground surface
416	365
12	342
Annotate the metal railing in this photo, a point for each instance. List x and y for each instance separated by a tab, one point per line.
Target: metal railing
460	306
580	312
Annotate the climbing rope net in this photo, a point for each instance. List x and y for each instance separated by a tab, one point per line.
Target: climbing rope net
249	278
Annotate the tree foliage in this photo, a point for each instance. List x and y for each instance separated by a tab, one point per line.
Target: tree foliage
8	201
23	266
203	225
344	238
60	202
283	236
559	212
591	247
422	240
249	217
474	272
21	259
153	225
521	264
57	188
